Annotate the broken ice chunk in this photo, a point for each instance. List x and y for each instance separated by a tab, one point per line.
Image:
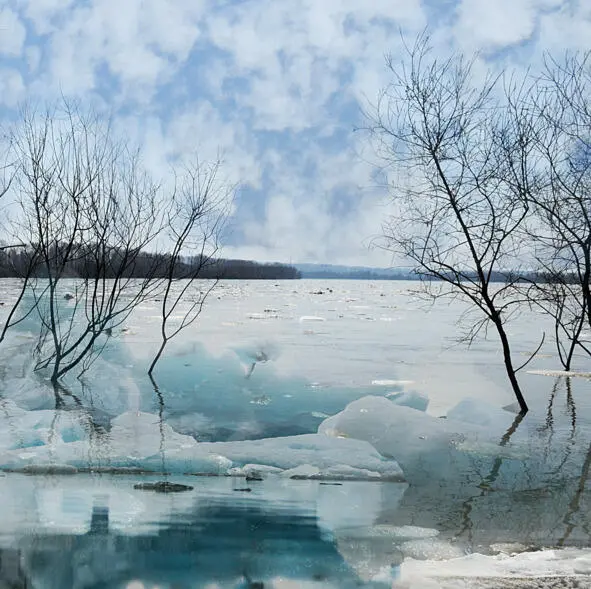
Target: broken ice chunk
413	400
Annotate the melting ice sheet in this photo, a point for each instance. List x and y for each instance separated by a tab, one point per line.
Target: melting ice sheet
343	397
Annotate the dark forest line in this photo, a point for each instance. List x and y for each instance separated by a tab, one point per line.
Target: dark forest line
91	263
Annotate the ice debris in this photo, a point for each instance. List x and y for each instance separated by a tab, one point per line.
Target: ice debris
569	373
431	549
255	471
413	400
480	413
395	533
22	429
323	457
141	441
427	448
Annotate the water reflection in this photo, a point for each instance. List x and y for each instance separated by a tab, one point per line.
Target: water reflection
224	545
58	533
540	496
11	572
209	538
91	532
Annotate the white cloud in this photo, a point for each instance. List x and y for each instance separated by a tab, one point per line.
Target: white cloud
275	87
140	44
12	33
198	128
492	25
42	14
568	28
314	213
33	58
295	52
12	87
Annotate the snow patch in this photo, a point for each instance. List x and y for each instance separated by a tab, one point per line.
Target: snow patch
478	570
560	373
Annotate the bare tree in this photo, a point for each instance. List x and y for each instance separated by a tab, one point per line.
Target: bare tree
88	218
196	215
84	200
12	246
25	270
556	182
456	215
556	295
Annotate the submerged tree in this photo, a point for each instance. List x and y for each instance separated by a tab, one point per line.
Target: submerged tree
88	213
84	199
25	269
457	217
195	217
18	258
555	115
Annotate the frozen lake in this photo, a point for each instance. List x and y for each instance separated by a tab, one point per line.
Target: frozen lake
348	333
281	360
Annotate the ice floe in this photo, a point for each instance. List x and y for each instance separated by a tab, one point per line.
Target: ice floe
140	440
411	399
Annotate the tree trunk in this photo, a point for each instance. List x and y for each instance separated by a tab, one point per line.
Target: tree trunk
509	366
157	357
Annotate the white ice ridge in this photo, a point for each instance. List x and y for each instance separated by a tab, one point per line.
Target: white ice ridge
560	373
544	568
413	400
325	457
426	447
138	440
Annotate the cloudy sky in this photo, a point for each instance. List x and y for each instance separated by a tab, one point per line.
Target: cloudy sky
276	86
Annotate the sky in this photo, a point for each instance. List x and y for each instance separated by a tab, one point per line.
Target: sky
277	87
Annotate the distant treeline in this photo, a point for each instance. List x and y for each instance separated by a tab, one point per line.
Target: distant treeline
358	275
510	277
400	274
242	269
93	262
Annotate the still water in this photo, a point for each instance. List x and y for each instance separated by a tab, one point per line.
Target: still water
84	531
97	531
